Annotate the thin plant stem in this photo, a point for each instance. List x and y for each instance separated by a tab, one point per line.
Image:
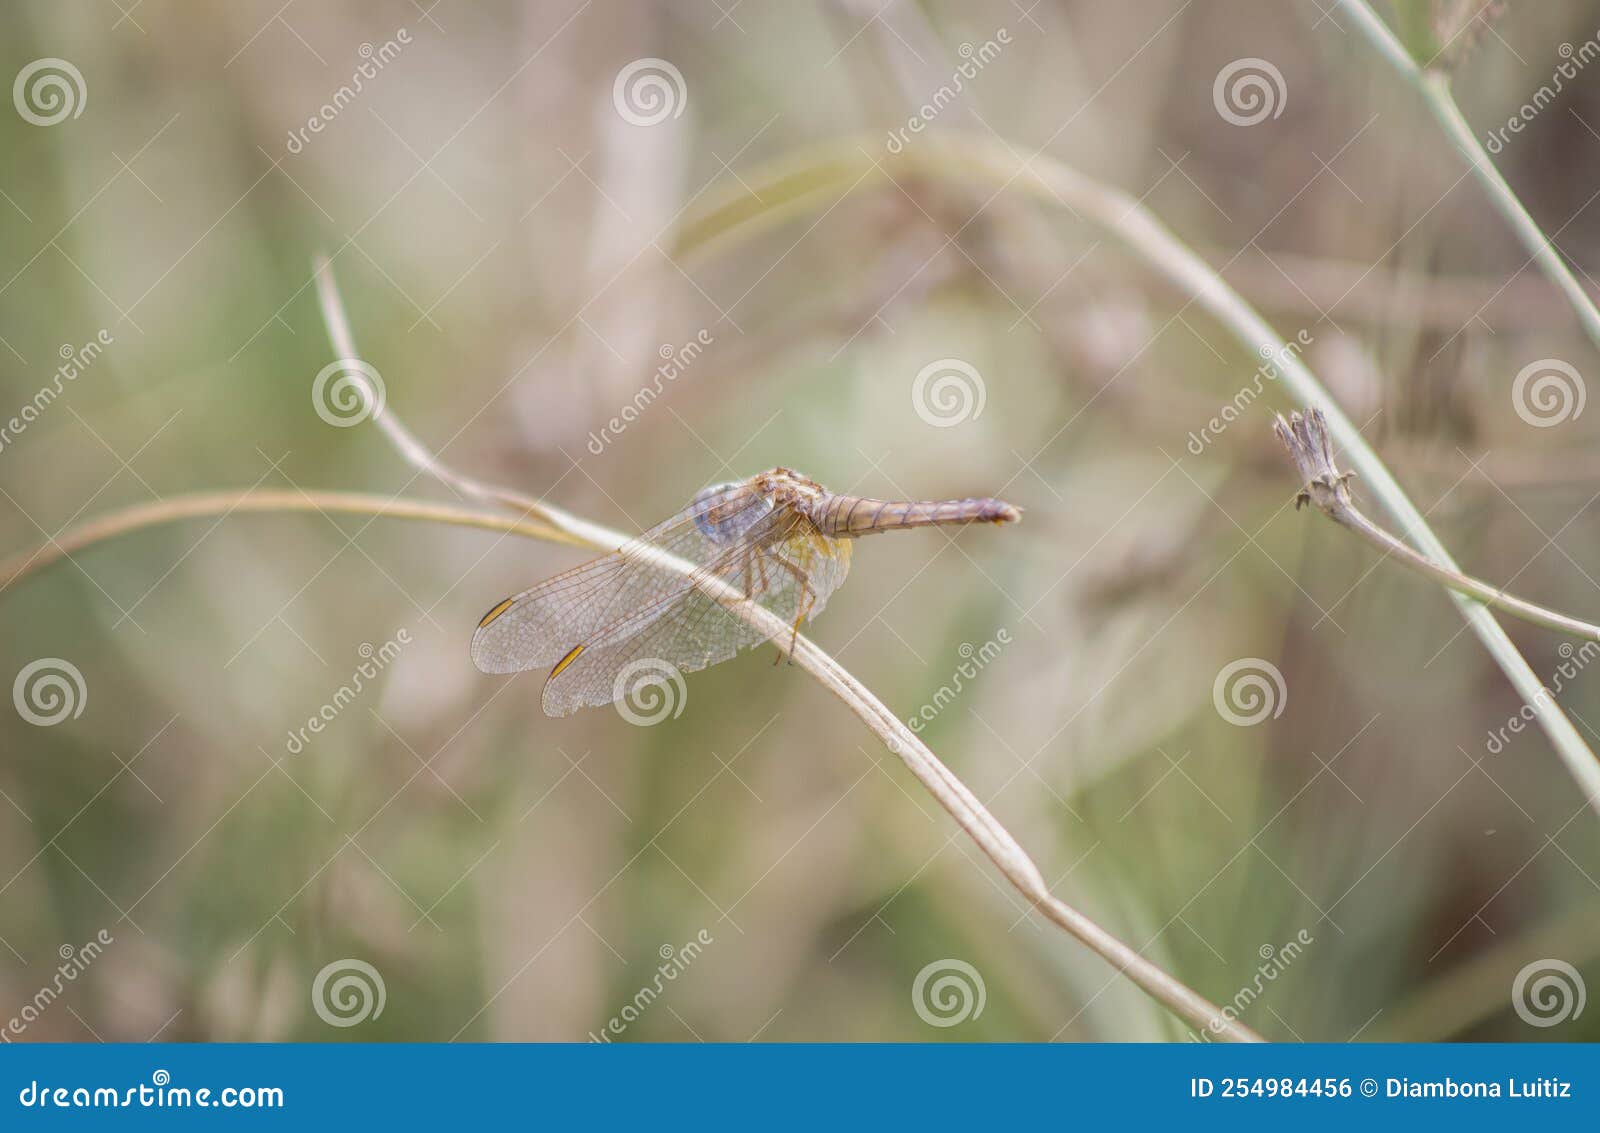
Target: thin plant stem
402	438
1349	516
830	171
970	814
1328	490
1434	86
224	503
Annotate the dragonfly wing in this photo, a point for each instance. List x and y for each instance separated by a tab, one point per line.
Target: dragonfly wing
691	630
539	627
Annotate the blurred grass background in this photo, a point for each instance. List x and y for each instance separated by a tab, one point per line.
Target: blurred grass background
500	235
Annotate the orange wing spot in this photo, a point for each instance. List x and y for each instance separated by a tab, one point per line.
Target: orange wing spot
496	612
564	662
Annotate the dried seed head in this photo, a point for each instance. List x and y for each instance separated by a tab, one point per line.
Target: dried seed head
1310	447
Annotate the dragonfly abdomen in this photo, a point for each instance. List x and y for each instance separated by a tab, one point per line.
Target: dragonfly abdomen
853	516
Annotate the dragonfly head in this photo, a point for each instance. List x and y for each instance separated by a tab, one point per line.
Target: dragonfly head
723	512
711	490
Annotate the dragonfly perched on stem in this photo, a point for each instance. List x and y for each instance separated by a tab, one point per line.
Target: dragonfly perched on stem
778	539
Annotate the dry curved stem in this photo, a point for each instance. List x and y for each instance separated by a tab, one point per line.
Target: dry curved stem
1328	490
403	439
951	793
225	503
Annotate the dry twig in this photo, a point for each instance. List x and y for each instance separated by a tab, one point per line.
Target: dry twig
1328	490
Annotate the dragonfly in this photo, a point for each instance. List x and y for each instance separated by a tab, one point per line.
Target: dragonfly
778	539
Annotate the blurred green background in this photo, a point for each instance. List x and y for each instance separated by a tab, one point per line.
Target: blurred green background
504	238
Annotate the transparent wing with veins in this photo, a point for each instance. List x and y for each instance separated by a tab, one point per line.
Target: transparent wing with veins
590	622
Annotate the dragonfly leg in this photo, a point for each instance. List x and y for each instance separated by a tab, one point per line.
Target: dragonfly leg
760	558
794	635
807	598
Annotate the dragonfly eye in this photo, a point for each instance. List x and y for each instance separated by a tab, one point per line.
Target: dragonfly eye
720	514
707	493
